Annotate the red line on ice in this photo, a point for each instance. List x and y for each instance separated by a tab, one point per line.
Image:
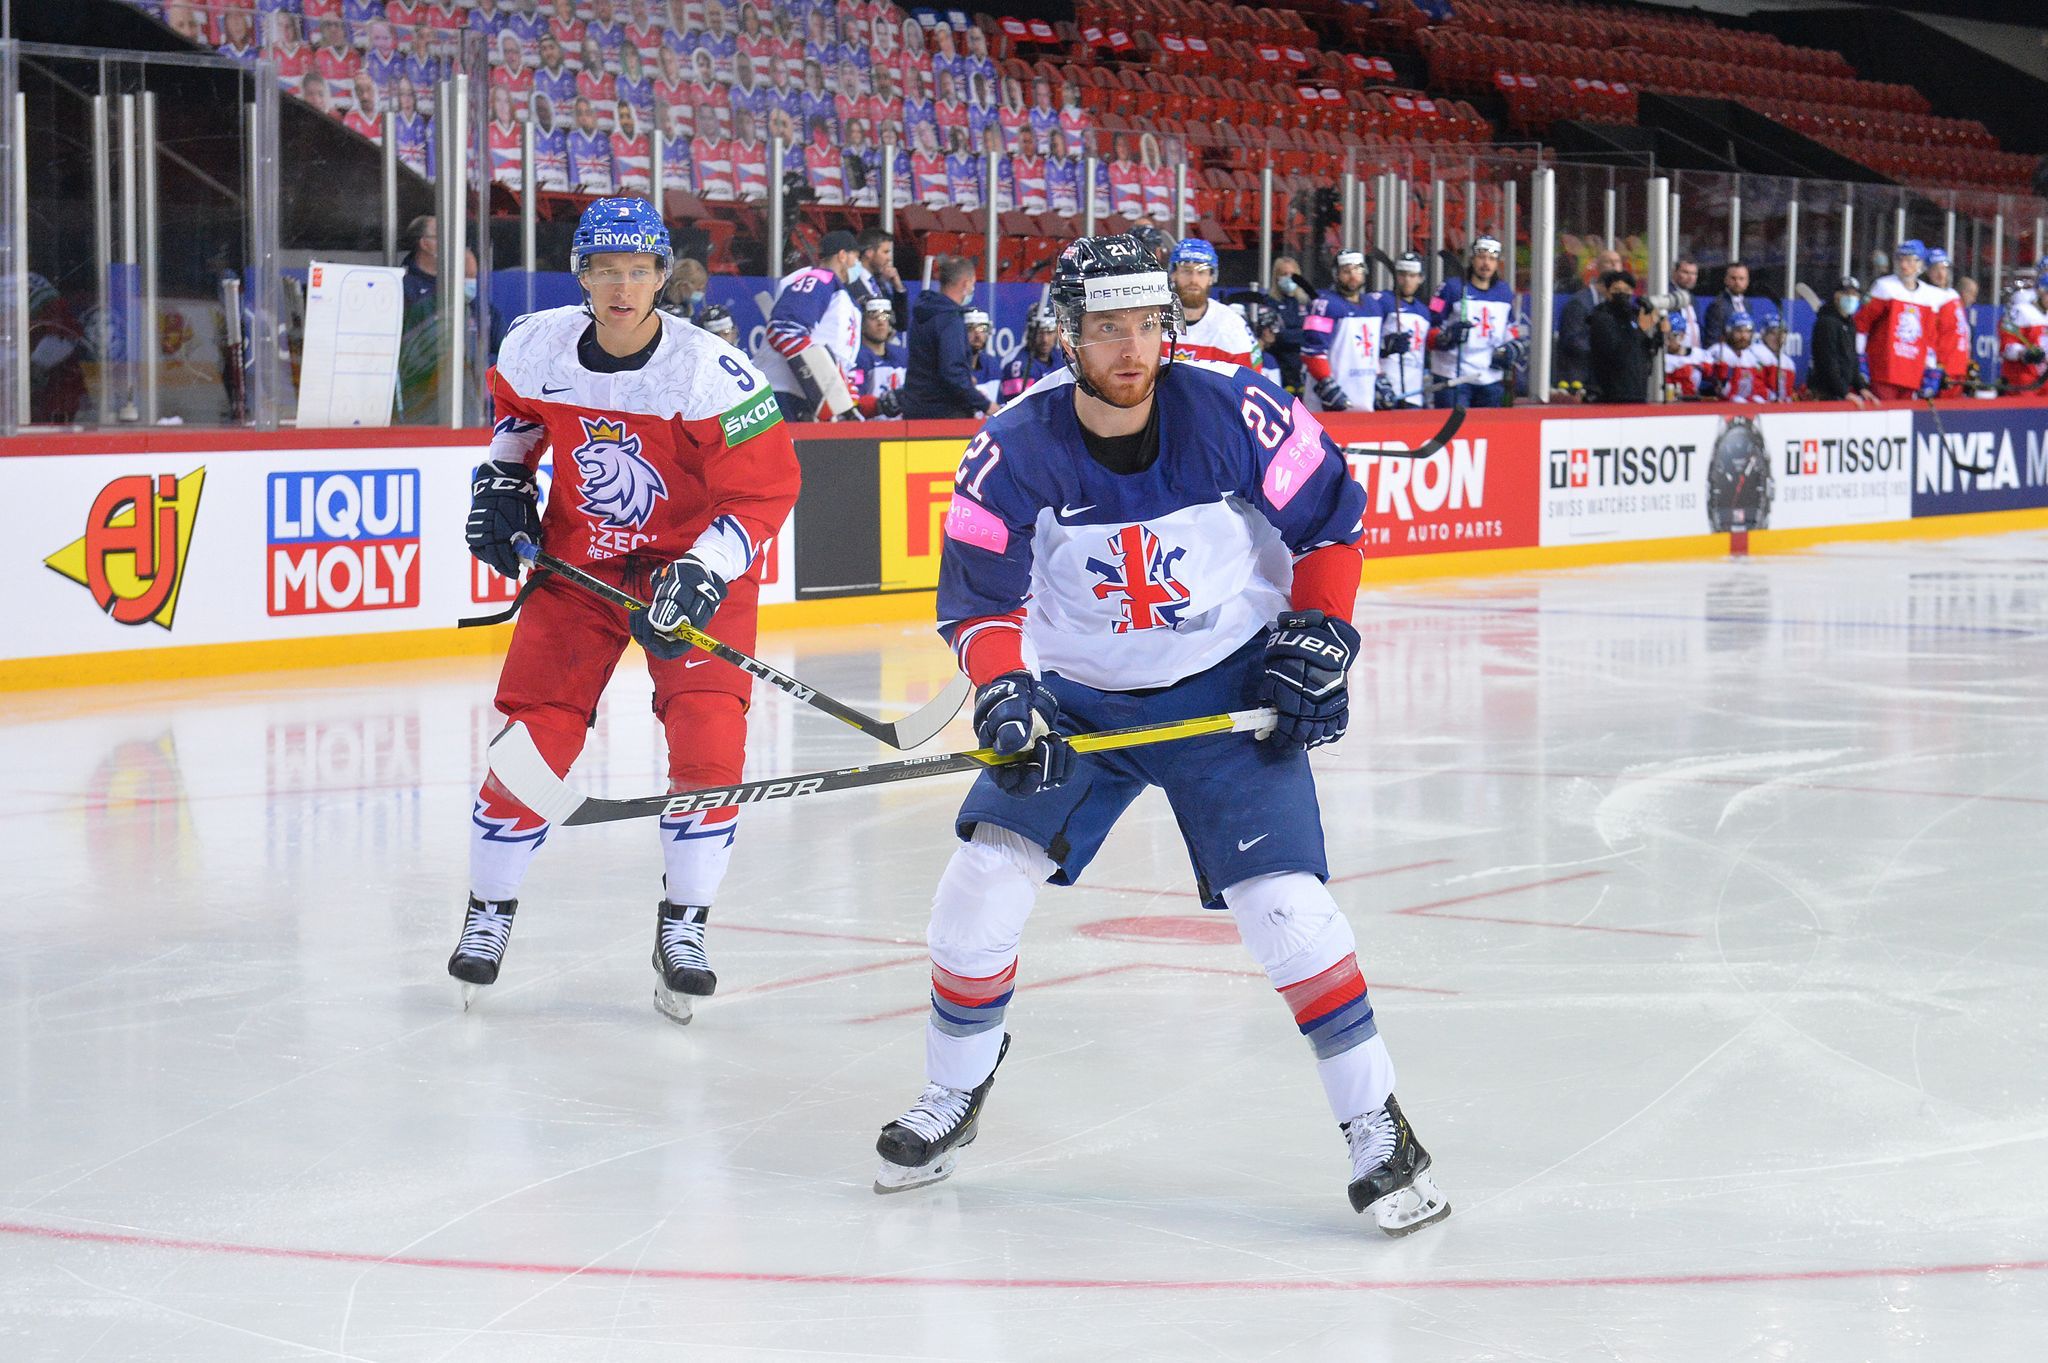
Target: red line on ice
138	1240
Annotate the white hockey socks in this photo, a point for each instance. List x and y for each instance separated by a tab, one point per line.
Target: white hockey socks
978	917
695	850
1296	932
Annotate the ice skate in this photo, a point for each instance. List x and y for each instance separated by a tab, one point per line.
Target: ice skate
486	931
923	1145
679	960
1390	1172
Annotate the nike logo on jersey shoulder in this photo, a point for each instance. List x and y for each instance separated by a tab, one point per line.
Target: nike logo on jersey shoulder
1247	844
1067	512
548	392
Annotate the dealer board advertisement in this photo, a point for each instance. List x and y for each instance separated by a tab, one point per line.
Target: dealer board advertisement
1478	492
1610	479
1836	468
108	553
1986	458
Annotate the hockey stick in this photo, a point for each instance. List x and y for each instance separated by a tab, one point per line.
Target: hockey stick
912	731
519	767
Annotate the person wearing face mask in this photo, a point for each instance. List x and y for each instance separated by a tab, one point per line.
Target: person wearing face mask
419	346
684	292
1624	337
1832	374
1289	299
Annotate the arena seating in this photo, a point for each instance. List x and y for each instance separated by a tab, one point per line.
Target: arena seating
1147	84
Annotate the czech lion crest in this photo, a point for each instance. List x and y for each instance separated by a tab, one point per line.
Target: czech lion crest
619	487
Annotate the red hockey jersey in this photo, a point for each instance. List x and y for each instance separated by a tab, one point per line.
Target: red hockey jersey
685	455
1905	332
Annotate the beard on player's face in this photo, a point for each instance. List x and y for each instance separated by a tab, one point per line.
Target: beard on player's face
1119	354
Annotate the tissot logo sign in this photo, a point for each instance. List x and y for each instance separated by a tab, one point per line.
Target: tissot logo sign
1624	478
1841	468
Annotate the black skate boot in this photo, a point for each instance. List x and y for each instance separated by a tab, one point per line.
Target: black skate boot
923	1145
1390	1172
679	958
486	931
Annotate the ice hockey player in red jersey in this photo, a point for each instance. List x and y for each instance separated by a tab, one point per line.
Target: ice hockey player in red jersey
2023	336
672	470
1906	333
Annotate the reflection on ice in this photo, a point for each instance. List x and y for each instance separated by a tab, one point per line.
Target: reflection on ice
1701	903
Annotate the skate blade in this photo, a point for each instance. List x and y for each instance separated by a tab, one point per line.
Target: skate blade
1411	1208
896	1178
469	993
673	1006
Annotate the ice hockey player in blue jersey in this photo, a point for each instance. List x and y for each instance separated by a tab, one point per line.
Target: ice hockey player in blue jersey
1475	347
988	373
1405	320
813	331
881	361
1340	345
1037	357
1153	540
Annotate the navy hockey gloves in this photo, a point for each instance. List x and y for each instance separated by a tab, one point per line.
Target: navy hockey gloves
1932	382
1015	712
1307	657
1332	396
681	592
504	504
1509	357
1383	394
1395	342
1452	334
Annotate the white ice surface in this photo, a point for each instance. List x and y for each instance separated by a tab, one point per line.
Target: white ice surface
1703	905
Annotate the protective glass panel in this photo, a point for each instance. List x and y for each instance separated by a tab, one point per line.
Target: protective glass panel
138	249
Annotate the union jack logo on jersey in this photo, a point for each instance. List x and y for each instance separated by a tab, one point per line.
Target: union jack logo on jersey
1141	570
619	487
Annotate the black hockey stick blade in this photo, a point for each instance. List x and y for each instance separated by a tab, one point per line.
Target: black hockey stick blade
912	731
519	767
1442	437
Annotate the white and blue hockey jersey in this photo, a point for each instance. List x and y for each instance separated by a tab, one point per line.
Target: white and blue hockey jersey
1135	580
811	308
1491	312
1346	334
1404	372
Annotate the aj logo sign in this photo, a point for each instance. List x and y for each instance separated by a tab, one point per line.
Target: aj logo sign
132	555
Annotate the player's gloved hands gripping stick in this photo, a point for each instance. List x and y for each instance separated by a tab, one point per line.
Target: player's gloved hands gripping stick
1452	334
684	591
1014	712
504	506
1308	656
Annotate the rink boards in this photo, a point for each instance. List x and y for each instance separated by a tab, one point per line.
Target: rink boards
135	556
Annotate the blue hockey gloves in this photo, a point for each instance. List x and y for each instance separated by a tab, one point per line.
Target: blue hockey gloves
1931	383
504	504
1395	342
1015	712
1307	657
681	592
1331	395
1509	357
1452	334
1383	395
